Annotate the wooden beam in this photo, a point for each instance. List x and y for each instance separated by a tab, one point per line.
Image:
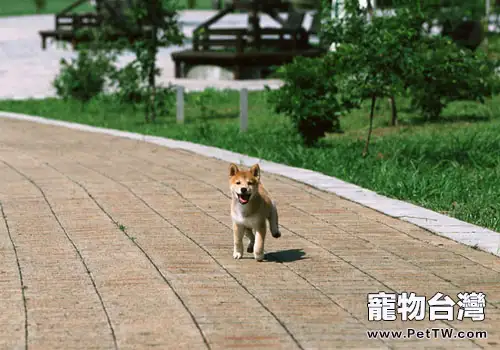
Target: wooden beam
72	6
215	18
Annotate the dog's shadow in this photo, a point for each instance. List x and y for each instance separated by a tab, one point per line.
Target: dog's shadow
284	256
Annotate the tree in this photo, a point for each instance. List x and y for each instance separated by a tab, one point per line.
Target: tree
146	25
387	56
375	54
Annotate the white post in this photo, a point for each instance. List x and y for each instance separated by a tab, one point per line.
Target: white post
180	104
243	109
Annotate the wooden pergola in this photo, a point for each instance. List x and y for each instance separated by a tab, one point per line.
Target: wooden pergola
74	27
255	47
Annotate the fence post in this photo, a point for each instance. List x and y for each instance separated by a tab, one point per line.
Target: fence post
180	104
243	109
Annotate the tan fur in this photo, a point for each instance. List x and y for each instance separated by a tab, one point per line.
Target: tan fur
249	219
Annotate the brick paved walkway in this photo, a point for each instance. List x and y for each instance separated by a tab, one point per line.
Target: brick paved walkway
109	243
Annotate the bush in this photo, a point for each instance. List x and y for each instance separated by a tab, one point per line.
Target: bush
127	82
448	73
84	77
131	89
308	97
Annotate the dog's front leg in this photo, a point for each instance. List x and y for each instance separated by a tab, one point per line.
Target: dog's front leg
251	237
238	233
260	236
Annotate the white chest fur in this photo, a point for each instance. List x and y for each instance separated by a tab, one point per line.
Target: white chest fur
250	221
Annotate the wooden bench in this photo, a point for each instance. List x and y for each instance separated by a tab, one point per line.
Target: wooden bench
84	37
236	61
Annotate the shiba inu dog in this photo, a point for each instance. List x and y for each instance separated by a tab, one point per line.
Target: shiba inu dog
251	207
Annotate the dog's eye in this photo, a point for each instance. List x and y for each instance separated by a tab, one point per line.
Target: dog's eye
250	183
238	182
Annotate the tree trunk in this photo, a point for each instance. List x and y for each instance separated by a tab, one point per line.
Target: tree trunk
146	111
152	75
153	9
40	5
152	91
394	119
365	151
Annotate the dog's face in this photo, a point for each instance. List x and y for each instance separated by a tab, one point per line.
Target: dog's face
244	184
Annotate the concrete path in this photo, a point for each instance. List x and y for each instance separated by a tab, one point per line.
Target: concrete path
109	243
27	71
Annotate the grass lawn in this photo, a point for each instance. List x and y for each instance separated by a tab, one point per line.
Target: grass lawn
451	167
27	7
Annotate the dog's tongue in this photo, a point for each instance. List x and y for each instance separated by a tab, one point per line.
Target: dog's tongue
243	200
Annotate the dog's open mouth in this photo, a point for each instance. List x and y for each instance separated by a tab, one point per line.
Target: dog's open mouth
244	198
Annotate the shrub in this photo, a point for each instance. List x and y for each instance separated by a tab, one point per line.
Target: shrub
131	89
128	84
309	97
447	73
83	77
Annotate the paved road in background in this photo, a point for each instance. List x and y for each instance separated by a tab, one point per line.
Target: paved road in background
26	71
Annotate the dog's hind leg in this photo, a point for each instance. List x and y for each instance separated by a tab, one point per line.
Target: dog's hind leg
251	237
273	221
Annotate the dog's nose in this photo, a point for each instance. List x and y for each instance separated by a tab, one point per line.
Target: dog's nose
243	190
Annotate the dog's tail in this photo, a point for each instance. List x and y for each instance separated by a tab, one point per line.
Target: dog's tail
273	221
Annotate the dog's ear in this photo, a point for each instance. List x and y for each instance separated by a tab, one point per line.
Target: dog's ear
233	169
255	170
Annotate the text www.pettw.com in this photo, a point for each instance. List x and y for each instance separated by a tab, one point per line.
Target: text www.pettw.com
428	333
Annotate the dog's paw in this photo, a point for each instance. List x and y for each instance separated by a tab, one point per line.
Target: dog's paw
259	257
276	234
237	255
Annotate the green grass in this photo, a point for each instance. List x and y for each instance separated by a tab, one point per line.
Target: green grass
451	167
27	7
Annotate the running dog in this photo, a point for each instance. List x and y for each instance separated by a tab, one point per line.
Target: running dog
251	207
